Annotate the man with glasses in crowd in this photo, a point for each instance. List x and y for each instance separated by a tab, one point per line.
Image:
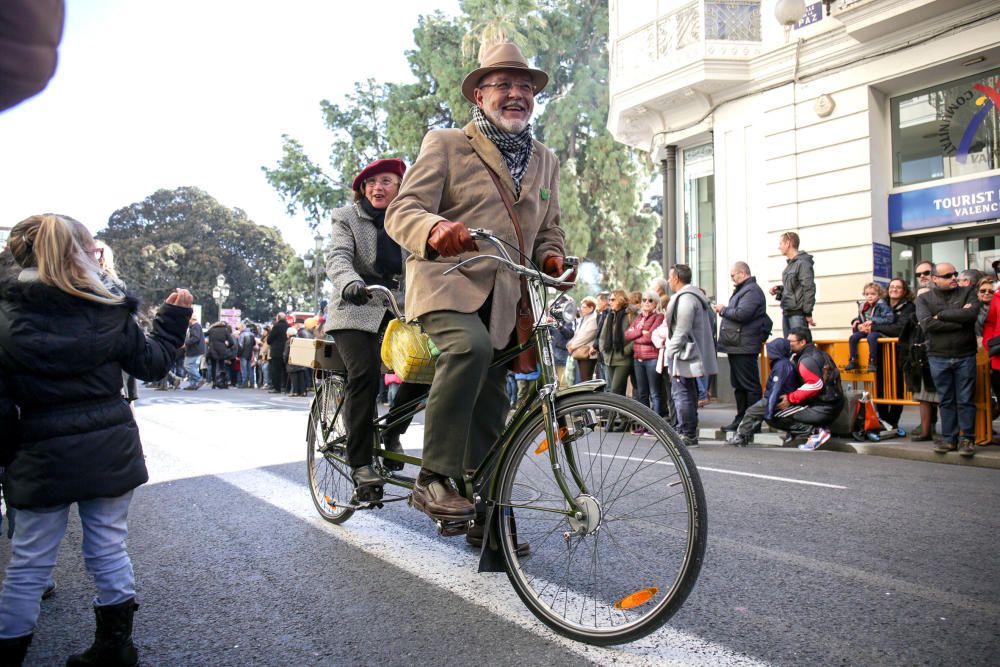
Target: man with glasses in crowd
947	315
923	273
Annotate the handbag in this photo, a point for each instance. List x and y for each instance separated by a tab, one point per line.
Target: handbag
527	361
409	352
582	352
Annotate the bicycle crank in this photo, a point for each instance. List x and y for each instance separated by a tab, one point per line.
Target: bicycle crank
368	497
586	521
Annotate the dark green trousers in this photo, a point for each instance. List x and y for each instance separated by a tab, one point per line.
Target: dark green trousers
467	403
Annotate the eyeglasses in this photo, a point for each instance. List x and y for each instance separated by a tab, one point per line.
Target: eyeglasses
923	274
649	300
947	276
385	182
986	291
504	87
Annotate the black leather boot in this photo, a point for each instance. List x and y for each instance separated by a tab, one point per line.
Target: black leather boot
12	650
112	645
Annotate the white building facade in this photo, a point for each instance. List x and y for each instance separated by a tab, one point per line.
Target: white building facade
873	132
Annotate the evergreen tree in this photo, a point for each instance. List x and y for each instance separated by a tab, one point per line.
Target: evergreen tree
600	179
185	238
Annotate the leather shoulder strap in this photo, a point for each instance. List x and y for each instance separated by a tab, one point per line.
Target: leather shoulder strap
508	204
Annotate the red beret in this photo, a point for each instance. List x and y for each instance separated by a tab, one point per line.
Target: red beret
392	165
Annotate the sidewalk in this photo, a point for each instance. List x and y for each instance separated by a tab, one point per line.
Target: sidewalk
715	415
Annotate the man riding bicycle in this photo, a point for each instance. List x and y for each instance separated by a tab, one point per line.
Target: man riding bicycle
470	313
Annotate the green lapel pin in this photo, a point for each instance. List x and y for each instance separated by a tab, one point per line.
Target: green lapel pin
544	193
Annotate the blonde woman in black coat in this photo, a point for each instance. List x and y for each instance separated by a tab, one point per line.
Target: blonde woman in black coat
67	332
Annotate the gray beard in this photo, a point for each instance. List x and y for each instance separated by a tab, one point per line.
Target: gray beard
510	126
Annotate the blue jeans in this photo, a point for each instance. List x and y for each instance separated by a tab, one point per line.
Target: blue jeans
647	383
192	369
684	391
246	372
37	535
857	337
955	379
789	322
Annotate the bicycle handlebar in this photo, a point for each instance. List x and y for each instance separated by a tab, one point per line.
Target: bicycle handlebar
486	235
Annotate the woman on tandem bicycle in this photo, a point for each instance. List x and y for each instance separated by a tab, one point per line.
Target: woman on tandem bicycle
360	254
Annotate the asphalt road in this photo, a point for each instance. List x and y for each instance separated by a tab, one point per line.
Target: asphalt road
813	558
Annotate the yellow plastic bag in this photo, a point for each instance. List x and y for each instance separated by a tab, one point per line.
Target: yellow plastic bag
409	352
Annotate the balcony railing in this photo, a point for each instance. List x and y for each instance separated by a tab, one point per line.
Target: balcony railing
712	28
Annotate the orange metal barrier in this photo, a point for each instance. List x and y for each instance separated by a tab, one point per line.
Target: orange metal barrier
886	392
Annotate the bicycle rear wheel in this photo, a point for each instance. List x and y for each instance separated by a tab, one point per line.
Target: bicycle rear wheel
330	481
623	565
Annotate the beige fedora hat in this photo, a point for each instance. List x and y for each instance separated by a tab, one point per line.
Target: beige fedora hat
504	55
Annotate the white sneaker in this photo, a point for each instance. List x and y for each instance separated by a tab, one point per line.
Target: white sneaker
816	440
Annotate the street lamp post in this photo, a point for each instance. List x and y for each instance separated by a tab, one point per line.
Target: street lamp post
220	292
318	267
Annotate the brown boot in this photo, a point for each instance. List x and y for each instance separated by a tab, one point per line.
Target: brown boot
436	496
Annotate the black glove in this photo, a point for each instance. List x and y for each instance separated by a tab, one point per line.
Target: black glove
355	292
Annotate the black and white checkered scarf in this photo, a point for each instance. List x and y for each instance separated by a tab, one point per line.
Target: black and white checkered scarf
515	148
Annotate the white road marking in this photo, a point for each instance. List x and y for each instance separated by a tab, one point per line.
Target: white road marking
773	478
189	441
454	570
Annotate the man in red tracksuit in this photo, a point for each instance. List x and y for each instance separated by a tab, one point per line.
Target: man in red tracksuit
810	409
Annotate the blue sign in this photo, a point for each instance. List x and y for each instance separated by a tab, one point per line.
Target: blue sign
881	262
814	13
941	205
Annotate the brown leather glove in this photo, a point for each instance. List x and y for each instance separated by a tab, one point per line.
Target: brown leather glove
448	239
553	266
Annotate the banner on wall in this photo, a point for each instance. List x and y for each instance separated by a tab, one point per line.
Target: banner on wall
942	205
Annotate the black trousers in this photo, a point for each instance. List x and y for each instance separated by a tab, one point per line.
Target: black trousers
803	421
744	375
278	371
360	352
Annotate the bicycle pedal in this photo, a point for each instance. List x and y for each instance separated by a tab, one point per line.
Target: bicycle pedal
453	528
372	495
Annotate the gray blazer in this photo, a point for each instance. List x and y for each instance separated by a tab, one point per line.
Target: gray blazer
691	322
349	255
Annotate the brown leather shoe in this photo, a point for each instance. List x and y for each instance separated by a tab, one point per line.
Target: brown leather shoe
436	496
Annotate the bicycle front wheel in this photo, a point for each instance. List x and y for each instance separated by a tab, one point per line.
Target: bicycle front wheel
330	481
621	564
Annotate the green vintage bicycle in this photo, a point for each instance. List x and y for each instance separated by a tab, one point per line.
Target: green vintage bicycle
599	486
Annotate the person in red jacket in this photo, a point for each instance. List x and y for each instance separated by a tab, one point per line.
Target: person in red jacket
644	353
810	409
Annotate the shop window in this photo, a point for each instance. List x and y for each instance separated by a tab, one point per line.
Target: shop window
699	215
946	131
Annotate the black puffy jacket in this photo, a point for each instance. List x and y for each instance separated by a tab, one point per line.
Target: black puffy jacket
66	433
745	323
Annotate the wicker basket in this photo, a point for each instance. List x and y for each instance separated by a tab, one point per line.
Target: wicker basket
409	352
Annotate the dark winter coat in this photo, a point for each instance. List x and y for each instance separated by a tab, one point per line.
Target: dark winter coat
798	286
903	311
278	339
745	323
221	343
911	355
194	344
560	336
879	314
953	333
783	378
67	433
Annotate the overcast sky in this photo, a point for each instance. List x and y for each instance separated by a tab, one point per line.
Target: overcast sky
157	94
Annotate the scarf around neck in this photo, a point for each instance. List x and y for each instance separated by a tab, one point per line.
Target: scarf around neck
388	256
515	148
